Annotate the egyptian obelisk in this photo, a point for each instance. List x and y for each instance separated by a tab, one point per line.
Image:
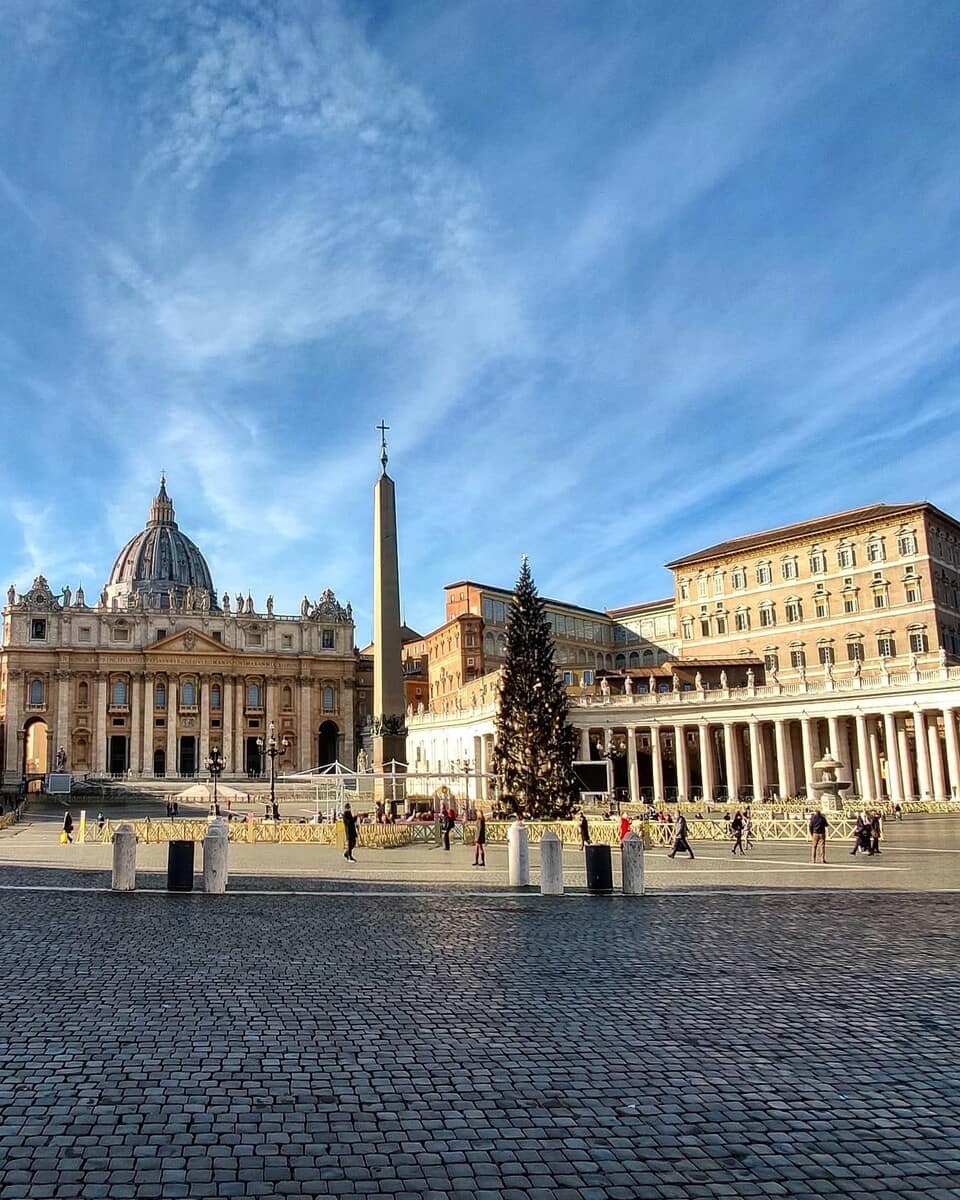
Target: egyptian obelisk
389	732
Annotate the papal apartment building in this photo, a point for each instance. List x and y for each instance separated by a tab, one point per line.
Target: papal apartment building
838	633
155	672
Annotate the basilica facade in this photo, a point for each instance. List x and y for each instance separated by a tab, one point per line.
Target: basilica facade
158	671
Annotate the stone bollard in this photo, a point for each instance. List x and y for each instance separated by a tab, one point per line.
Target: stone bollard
215	846
551	865
125	859
518	855
631	853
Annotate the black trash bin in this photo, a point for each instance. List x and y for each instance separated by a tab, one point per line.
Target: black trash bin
599	868
180	867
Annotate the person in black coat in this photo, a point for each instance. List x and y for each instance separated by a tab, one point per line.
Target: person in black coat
68	827
680	836
480	842
584	831
446	824
736	829
350	832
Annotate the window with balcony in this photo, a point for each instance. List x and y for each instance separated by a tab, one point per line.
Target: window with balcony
216	697
160	696
118	695
253	695
188	696
328	699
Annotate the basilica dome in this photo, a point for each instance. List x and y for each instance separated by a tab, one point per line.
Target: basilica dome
160	564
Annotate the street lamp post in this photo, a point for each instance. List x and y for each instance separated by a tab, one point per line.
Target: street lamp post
271	747
215	765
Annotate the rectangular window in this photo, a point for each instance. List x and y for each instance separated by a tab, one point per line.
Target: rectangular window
850	604
38	629
767	616
684	589
83	633
718	584
121	634
846	557
739	578
217	635
568	679
821	606
907	543
788	568
918	643
161	634
686	626
705	627
771	662
701	585
286	641
855	651
826	654
818	562
798	658
741	620
326	639
912	592
794	610
587	678
886	647
764	573
254	639
879	599
875	552
721	625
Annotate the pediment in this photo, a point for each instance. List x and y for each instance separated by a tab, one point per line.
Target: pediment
186	641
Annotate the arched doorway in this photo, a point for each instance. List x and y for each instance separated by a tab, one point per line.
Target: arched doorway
327	739
35	748
159	763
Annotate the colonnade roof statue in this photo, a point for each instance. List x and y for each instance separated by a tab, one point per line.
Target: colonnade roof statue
161	561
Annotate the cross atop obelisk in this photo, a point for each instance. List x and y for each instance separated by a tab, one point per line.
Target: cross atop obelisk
383	443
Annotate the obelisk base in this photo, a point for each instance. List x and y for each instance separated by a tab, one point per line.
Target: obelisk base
390	755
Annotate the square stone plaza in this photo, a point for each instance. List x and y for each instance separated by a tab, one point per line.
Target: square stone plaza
408	1025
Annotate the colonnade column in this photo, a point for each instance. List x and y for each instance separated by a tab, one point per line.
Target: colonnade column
923	761
172	765
633	775
873	741
784	760
100	728
683	763
936	759
146	750
226	707
731	752
585	744
12	763
306	705
755	761
240	700
863	760
706	761
833	726
657	757
63	718
204	723
135	764
894	779
907	774
806	738
953	755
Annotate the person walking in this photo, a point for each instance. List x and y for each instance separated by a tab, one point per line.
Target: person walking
624	827
876	831
861	834
480	842
446	824
349	832
584	830
747	828
680	836
736	831
818	833
67	828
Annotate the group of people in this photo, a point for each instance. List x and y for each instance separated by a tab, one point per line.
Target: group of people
867	832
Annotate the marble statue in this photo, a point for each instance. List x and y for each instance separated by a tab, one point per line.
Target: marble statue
305	607
604	687
828	669
66	596
676	682
81	603
270	606
362	766
103	598
11	594
750	677
226	603
190	598
249	603
239	602
857	669
172	599
723	679
698	682
628	686
651	684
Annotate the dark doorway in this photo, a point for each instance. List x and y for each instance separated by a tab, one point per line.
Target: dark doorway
159	763
188	756
253	759
327	744
117	754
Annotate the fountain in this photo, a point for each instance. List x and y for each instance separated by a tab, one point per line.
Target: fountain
827	791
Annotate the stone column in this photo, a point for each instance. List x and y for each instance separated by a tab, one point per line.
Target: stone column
203	683
907	774
844	750
657	757
706	761
806	738
833	727
953	754
731	752
633	774
240	700
269	704
518	855
62	737
124	859
894	780
100	727
136	738
756	769
585	745
863	760
923	760
936	759
172	702
148	725
306	726
551	865
226	701
683	763
348	724
873	740
12	760
784	762
631	857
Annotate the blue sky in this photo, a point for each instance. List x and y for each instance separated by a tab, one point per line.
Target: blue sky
625	279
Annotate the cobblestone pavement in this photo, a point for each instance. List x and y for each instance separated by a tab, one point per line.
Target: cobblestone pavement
479	1048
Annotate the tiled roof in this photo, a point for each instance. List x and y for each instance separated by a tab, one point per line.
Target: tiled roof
805	530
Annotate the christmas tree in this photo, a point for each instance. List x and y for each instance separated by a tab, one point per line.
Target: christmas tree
534	741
